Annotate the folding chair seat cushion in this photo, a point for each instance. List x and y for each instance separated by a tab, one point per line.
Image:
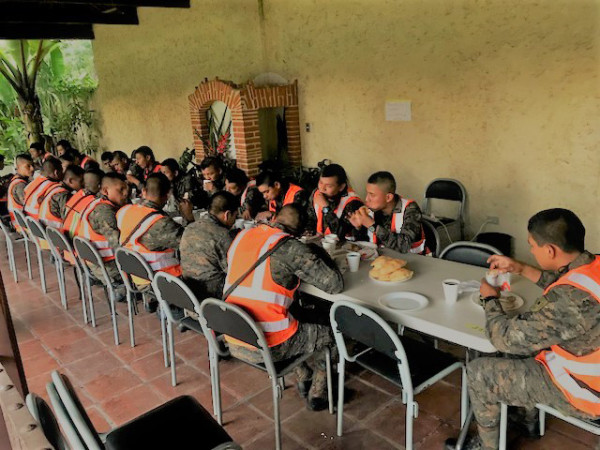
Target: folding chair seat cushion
192	324
180	423
425	362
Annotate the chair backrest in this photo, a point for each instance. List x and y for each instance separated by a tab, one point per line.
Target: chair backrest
67	425
468	252
41	412
445	189
349	320
130	263
36	228
6	232
173	291
86	251
432	237
58	240
76	411
217	316
21	219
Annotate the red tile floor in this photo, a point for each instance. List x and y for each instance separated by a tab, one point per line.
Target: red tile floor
117	383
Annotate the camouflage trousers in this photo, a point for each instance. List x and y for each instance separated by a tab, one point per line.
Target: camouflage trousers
310	338
515	382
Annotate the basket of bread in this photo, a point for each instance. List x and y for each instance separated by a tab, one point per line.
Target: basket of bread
388	270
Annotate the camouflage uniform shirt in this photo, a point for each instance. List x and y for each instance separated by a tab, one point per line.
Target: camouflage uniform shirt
411	227
188	184
164	234
18	191
564	316
204	248
103	220
340	226
254	202
58	202
300	199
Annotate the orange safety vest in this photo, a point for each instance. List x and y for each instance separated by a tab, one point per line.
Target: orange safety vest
155	169
266	301
287	199
46	216
250	185
35	193
578	377
339	210
85	230
74	207
134	221
12	205
84	161
396	227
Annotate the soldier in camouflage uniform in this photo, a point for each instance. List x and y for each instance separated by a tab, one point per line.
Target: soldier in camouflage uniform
72	182
390	221
103	219
212	173
25	169
276	192
251	200
204	247
292	262
332	189
564	316
184	186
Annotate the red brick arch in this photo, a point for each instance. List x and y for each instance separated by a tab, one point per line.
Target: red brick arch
244	103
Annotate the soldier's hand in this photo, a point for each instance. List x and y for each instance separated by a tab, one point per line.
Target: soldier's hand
355	220
186	208
487	290
320	200
505	264
246	215
365	219
264	216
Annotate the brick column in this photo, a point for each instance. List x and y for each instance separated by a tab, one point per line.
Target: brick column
292	125
247	140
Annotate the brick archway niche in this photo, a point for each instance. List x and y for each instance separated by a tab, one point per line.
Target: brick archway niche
244	102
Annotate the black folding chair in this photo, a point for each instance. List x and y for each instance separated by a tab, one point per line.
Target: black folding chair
38	235
389	356
41	412
22	222
468	252
446	190
432	237
10	248
217	316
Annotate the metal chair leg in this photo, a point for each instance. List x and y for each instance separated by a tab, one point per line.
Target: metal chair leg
329	379
42	272
14	266
503	425
28	258
542	422
88	284
80	284
130	314
410	415
276	416
163	335
340	408
172	354
113	313
217	381
464	397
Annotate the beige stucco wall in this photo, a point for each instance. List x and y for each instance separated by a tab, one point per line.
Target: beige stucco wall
505	93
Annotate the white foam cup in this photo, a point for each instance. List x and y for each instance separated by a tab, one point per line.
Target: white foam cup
248	224
450	287
353	259
329	246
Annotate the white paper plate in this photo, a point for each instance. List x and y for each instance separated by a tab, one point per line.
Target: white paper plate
389	283
403	301
507	306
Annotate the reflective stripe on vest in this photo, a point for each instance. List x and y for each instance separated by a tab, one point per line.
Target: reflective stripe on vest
287	199
85	229
11	204
74	207
396	227
578	377
128	218
45	214
266	301
250	185
339	210
84	161
34	194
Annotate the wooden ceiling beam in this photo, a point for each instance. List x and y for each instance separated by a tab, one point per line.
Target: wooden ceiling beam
19	12
114	3
45	31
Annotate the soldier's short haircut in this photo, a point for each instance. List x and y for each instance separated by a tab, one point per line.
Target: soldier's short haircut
335	170
268	177
293	217
67	156
110	178
64	144
384	180
50	166
172	164
237	176
157	185
559	227
144	150
223	201
106	156
92	178
73	171
37	146
23	157
120	155
211	161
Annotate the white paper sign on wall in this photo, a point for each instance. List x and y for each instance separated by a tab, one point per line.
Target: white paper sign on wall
398	111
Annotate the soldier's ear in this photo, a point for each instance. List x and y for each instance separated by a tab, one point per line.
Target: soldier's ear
389	197
551	251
